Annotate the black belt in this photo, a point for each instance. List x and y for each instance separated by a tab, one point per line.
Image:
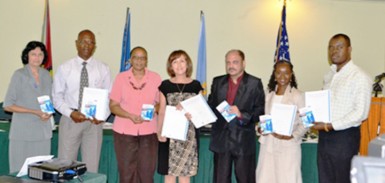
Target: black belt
73	109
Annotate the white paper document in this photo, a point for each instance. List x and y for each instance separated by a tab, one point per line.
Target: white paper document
24	169
107	125
52	121
95	103
283	117
201	113
319	101
175	124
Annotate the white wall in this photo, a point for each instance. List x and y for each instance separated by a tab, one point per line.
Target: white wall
162	26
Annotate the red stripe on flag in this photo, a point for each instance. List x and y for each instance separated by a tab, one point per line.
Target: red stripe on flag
48	64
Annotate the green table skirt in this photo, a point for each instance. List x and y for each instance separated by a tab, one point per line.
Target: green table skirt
108	164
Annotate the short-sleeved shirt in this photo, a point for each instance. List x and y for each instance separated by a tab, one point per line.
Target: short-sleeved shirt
131	95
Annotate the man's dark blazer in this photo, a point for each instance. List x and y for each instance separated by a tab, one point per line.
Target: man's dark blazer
238	136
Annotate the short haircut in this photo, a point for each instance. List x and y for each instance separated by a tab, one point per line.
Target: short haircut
344	36
31	46
86	31
174	55
240	53
138	47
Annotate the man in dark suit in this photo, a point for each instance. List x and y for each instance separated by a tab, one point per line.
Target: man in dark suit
235	141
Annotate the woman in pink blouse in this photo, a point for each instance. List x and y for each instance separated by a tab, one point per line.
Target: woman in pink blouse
135	139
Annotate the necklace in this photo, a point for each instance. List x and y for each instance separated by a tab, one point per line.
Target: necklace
180	90
137	88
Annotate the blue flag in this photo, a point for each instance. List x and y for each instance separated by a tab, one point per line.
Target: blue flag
201	65
125	60
282	49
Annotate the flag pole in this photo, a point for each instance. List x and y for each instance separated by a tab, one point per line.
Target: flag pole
282	45
202	60
128	11
125	63
279	35
46	37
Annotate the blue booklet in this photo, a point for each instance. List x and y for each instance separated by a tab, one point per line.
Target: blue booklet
307	117
224	108
90	110
266	124
46	104
147	112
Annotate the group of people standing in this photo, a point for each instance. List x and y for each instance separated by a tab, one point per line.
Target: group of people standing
139	146
31	131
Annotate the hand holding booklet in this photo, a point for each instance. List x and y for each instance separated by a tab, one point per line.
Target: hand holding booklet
201	113
224	108
265	123
319	101
46	104
307	117
147	112
175	124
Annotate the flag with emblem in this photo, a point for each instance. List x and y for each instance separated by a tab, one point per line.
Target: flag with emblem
126	45
282	48
201	65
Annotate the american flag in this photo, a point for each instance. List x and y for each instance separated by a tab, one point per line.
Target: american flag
282	48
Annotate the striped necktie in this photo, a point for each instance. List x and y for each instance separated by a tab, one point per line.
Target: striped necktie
83	83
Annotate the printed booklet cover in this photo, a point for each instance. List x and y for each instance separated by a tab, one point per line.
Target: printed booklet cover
224	108
147	112
265	123
307	117
46	104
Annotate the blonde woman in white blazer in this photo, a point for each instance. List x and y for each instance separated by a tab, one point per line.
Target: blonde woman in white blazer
279	155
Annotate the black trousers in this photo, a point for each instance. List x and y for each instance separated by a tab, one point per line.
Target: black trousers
335	152
244	167
136	157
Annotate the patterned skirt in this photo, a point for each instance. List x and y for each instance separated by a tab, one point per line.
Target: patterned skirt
183	155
